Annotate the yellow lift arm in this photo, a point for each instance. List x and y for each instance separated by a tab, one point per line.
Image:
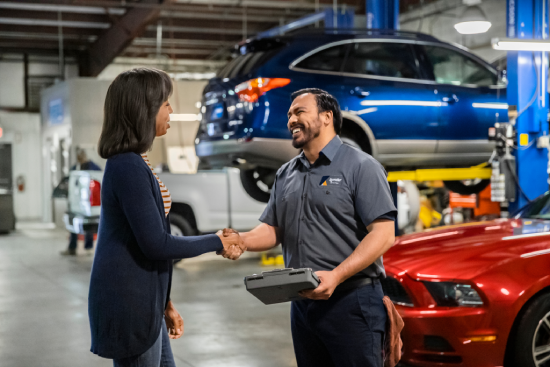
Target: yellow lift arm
444	174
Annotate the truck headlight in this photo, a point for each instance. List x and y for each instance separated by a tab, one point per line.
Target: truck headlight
448	294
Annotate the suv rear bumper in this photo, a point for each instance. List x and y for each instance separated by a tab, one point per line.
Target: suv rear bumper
79	224
255	152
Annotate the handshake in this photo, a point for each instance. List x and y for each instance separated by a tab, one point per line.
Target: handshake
233	244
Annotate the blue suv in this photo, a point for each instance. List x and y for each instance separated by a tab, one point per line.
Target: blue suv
407	99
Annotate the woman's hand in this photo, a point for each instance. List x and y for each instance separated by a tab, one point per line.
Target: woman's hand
174	322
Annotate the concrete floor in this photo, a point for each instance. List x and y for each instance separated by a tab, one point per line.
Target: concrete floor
44	319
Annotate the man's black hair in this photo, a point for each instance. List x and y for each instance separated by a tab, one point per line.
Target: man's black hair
325	102
131	107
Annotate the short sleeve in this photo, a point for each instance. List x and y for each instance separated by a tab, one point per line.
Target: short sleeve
269	216
373	199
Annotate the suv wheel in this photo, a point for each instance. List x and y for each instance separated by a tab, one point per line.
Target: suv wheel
467	187
257	182
531	344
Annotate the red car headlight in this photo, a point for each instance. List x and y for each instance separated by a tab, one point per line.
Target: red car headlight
448	294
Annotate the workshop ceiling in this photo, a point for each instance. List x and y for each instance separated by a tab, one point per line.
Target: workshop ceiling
97	31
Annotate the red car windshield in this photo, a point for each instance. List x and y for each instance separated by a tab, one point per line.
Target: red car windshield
537	209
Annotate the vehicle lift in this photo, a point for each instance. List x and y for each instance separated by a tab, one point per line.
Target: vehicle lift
520	167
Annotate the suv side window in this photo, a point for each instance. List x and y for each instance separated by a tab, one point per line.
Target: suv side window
452	67
329	59
388	59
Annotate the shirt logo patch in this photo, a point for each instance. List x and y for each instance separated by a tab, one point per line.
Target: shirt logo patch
331	181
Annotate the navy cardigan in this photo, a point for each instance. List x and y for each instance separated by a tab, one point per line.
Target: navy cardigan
132	269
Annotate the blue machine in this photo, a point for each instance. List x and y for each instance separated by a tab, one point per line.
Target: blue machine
527	89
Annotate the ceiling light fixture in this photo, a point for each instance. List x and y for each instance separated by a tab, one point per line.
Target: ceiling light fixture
510	44
473	20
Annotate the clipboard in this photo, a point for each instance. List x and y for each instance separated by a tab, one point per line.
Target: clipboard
281	285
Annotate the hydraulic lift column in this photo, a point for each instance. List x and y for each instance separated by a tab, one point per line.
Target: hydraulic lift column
384	14
527	74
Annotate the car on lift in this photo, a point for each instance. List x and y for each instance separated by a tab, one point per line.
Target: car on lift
408	99
476	294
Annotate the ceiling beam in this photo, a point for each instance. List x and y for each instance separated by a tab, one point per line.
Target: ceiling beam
113	42
226	16
166	51
207	4
62	8
85	32
46	36
198	30
53	23
197	43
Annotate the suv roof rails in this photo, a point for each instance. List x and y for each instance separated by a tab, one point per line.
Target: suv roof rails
359	32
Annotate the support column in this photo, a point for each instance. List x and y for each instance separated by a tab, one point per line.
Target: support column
527	74
382	14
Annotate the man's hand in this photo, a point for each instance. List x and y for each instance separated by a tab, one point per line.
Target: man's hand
174	322
329	282
233	245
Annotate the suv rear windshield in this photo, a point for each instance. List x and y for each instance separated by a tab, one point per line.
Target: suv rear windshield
256	53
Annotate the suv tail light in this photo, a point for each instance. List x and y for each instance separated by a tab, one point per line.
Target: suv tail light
95	193
251	90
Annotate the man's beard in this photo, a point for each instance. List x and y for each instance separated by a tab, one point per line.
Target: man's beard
308	135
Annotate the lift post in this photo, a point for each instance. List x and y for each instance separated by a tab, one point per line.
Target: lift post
382	14
527	74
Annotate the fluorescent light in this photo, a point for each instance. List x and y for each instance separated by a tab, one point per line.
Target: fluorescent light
491	106
184	117
404	103
473	27
509	44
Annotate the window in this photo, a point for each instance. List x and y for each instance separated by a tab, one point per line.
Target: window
244	64
330	59
394	60
452	67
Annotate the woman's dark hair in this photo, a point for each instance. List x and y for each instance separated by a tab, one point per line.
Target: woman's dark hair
325	102
131	107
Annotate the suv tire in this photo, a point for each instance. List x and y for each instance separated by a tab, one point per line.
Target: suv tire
532	331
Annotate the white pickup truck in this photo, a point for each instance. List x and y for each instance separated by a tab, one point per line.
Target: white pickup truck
201	203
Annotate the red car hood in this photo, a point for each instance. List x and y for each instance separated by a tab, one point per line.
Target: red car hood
460	251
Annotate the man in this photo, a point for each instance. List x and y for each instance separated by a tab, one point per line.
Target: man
332	210
83	164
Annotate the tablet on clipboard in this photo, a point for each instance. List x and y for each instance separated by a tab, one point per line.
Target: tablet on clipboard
281	285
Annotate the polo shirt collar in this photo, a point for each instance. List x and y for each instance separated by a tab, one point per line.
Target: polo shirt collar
328	151
331	148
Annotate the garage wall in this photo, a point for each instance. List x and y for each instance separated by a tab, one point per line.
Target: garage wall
40	73
22	130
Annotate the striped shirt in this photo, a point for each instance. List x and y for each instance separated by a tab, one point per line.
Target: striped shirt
163	190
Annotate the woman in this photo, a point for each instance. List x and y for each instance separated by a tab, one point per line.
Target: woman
129	301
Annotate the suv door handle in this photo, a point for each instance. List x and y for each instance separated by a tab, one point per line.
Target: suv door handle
450	99
359	92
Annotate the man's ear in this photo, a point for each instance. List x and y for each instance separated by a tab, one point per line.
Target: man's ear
327	117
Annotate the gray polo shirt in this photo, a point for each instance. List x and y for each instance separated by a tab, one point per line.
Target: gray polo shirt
323	209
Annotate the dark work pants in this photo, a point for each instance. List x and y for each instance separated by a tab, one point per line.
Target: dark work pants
347	330
88	241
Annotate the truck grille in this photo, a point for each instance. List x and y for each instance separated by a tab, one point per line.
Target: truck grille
393	289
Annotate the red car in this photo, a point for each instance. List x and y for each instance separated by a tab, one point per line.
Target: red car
475	295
